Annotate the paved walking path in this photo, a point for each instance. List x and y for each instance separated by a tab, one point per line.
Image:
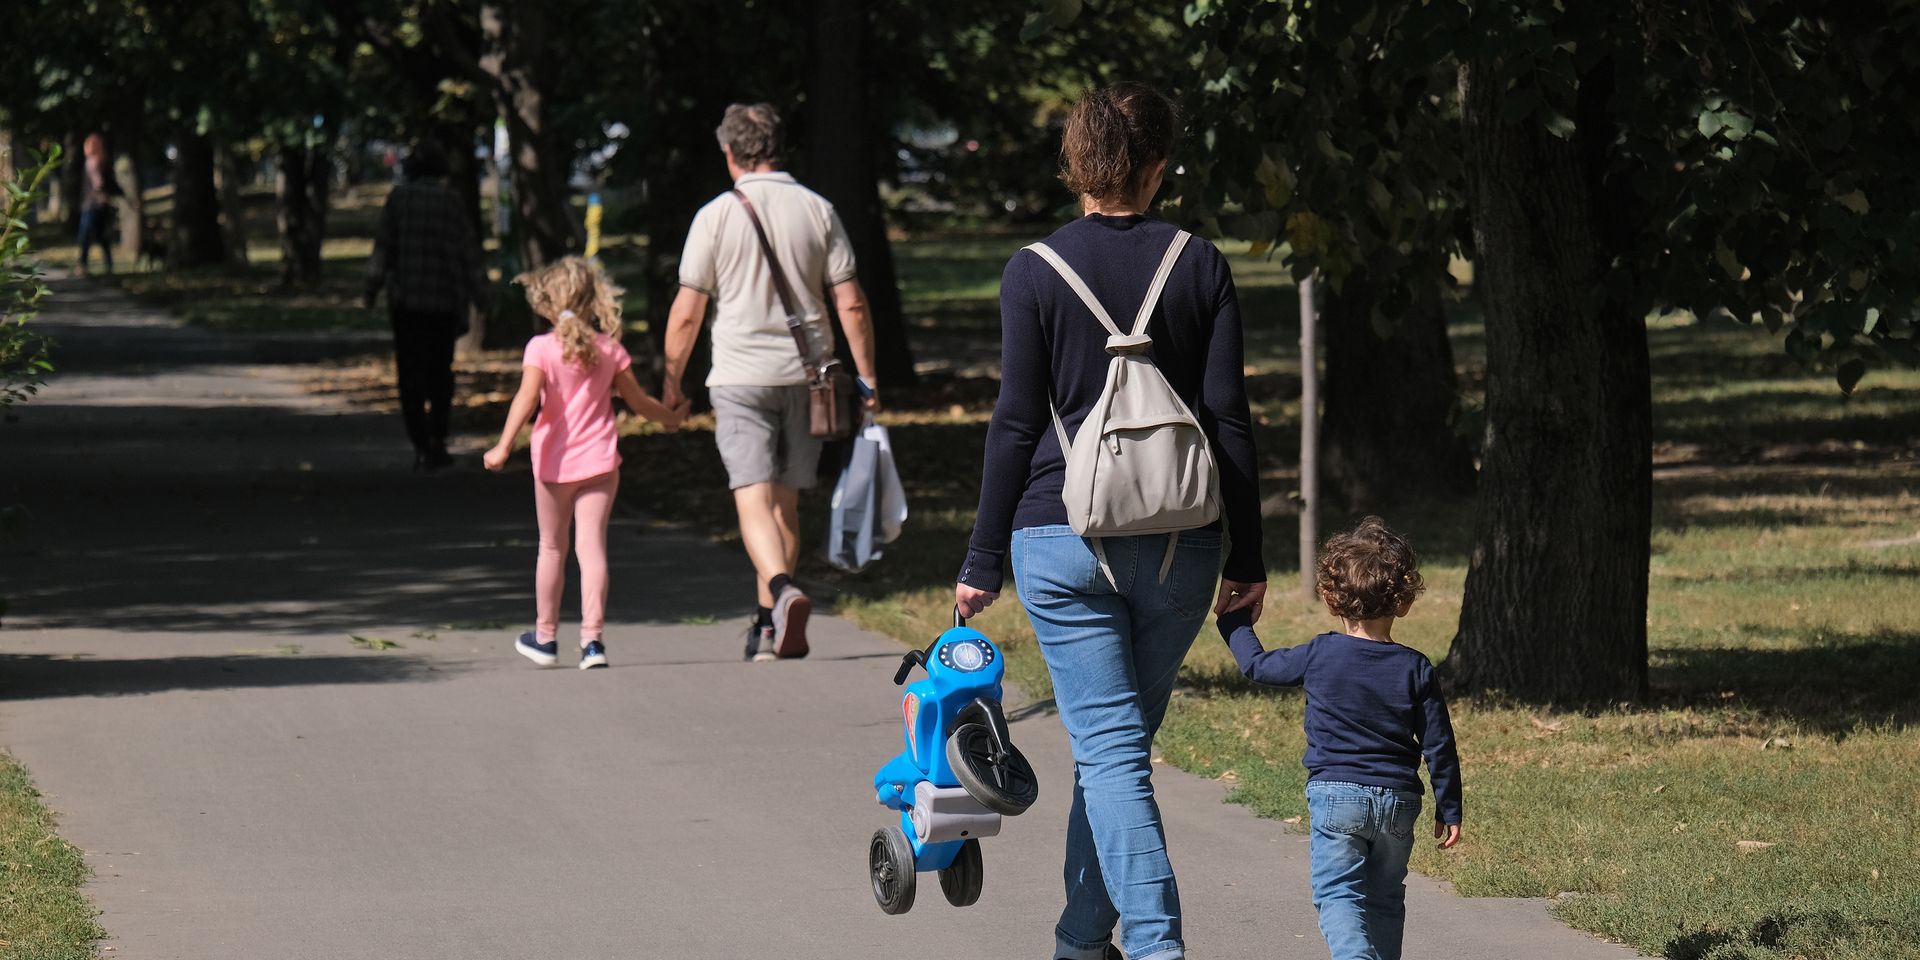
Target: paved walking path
179	675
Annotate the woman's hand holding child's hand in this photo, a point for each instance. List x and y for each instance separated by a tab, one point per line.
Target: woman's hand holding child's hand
1447	833
496	458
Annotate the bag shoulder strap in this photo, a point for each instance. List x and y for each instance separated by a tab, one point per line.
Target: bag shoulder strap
781	289
1160	281
1079	286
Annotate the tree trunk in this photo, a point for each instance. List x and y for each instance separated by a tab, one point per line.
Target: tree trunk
6	155
197	240
302	185
844	144
516	57
1555	602
233	216
1391	402
133	205
63	194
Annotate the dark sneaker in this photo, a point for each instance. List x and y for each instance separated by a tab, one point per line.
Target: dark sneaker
790	611
594	654
545	654
760	644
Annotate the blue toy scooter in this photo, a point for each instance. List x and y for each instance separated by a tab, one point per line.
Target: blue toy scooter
960	772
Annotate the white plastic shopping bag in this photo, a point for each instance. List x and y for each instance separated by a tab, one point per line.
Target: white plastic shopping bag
869	503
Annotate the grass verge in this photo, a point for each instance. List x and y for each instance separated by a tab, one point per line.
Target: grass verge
43	916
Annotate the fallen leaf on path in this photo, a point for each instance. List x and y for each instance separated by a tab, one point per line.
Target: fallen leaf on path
374	643
1751	846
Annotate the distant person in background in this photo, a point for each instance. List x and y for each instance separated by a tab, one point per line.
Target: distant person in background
97	190
427	258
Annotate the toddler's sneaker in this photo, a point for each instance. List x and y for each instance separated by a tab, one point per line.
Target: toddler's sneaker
545	654
594	654
790	611
760	644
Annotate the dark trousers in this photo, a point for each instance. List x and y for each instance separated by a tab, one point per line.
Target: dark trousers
94	222
423	355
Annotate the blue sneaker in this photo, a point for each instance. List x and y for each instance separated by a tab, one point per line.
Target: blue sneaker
594	654
545	654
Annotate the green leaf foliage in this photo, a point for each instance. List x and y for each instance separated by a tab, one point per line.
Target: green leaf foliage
24	361
1749	156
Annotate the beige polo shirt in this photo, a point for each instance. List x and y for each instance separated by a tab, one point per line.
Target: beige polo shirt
751	344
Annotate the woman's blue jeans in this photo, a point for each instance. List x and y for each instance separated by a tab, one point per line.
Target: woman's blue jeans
1114	654
1362	837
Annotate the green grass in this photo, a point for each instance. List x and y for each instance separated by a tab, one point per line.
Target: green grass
1783	622
42	914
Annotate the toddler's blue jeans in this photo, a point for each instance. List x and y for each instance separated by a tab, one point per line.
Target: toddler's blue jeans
1362	837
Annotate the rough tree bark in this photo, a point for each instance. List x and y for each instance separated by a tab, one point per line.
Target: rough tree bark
843	147
1390	403
233	220
302	184
132	206
519	63
196	240
1555	602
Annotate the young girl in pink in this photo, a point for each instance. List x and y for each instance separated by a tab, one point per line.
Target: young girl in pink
572	373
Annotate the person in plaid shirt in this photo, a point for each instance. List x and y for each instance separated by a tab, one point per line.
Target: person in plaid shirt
426	257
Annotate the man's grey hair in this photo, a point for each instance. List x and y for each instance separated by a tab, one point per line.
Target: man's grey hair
752	132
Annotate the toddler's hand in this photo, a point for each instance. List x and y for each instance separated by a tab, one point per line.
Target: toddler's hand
1447	833
496	458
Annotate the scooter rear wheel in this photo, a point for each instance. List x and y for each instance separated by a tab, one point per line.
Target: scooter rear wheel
1007	788
890	865
961	881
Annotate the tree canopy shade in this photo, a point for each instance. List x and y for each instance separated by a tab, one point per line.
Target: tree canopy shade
1612	160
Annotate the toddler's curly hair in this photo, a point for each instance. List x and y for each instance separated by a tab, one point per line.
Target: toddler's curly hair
574	295
1368	572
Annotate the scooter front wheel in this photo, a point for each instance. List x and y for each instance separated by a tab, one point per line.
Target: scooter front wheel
1007	787
962	880
890	865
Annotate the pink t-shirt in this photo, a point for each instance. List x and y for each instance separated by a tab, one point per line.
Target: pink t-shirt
574	437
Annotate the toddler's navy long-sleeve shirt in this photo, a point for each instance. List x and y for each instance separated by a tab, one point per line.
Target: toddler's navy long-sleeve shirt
1372	709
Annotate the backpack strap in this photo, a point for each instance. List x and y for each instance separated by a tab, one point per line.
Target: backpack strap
1159	282
1079	286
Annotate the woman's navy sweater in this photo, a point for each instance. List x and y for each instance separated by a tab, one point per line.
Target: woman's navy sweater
1050	343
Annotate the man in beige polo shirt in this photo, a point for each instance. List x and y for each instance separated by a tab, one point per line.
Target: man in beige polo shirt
758	383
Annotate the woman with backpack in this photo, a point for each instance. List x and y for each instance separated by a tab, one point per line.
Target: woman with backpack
1120	476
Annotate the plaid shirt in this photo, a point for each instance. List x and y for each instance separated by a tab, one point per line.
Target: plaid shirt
425	253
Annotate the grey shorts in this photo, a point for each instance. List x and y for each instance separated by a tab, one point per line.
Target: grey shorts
765	436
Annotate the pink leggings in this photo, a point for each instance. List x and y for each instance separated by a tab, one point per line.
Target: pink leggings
587	505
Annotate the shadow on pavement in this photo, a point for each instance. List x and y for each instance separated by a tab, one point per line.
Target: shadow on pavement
40	676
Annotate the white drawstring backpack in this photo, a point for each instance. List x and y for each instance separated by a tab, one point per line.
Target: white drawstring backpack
1141	464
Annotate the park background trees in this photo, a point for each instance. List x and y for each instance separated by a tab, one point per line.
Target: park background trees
1589	165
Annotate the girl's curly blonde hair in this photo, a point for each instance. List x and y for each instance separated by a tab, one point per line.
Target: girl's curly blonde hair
575	295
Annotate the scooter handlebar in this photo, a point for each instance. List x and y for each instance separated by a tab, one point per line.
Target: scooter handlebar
918	658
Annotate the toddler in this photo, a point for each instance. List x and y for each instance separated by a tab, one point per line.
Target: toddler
571	372
1373	707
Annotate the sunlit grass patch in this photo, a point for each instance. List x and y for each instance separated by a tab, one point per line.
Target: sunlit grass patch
43	916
